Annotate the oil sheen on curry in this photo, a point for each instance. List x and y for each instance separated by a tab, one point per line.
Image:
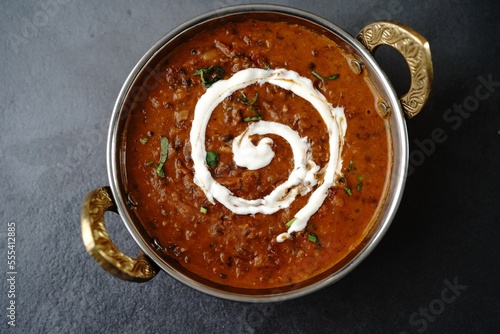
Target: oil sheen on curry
257	159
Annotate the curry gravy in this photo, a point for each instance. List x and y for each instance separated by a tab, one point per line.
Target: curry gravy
206	237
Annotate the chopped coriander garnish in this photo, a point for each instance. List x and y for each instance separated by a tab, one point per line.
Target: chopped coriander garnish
313	237
360	184
149	163
244	100
313	72
203	210
252	119
291	222
214	74
163	157
351	169
144	140
254	99
348	191
212	159
331	77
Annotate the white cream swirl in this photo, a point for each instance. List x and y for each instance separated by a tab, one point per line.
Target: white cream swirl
302	179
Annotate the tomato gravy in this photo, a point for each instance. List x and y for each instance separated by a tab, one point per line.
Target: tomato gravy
212	240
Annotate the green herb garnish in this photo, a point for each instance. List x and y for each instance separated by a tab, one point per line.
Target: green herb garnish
348	191
328	78
252	119
203	210
144	140
351	169
250	104
291	222
319	77
163	157
360	184
212	159
210	75
313	237
149	163
332	77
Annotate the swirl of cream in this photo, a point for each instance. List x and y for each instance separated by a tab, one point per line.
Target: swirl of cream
303	177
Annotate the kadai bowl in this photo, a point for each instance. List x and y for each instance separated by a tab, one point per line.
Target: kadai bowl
257	153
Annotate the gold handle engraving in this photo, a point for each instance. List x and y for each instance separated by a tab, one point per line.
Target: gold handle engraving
415	49
102	249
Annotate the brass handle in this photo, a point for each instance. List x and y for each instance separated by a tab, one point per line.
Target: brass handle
414	48
99	245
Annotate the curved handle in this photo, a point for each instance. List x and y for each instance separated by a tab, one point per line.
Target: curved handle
414	48
99	245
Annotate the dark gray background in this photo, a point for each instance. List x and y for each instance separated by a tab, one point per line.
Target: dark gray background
62	66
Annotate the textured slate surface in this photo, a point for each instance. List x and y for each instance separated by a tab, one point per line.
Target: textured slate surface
436	271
